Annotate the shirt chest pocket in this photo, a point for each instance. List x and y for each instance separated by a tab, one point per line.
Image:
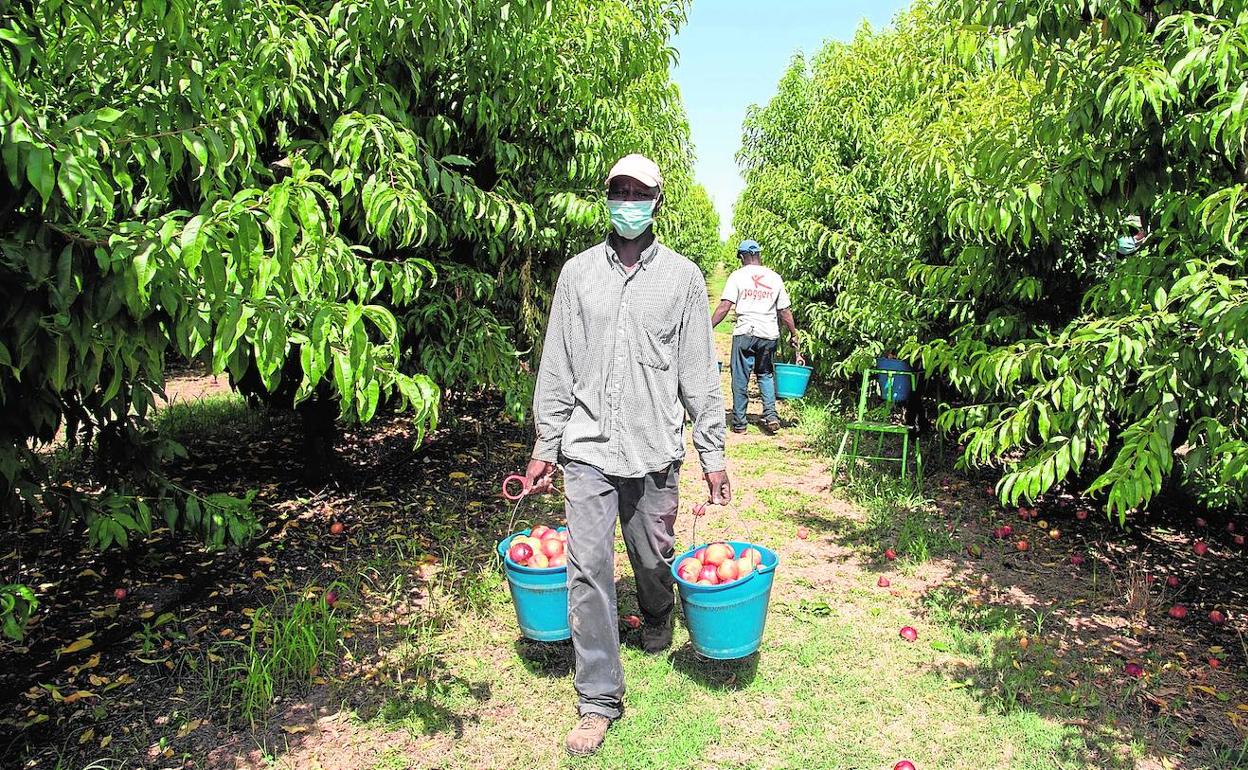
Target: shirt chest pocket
653	343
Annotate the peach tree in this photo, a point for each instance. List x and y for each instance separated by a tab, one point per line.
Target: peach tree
360	203
1044	206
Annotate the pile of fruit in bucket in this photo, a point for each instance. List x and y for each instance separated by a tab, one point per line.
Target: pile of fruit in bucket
718	563
543	547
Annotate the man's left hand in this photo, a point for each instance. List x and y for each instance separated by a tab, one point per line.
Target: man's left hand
718	487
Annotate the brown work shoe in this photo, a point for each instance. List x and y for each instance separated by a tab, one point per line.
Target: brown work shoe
587	736
771	426
657	637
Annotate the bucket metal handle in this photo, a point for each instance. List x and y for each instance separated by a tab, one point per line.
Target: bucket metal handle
699	510
518	499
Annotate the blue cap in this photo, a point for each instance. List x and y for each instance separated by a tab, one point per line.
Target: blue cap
749	247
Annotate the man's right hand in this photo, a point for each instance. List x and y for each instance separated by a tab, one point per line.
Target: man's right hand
539	477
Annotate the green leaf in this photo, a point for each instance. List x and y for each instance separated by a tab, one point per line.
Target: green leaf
41	174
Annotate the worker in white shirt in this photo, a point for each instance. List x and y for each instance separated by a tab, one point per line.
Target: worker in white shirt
762	304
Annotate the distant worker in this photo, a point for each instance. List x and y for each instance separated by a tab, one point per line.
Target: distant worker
1130	243
761	302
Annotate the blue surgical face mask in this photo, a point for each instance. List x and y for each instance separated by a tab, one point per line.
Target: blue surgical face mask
631	218
1127	245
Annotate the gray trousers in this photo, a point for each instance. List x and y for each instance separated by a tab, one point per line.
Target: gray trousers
646	508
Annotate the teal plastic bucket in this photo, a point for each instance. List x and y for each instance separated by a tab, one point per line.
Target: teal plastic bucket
791	380
726	621
900	385
540	596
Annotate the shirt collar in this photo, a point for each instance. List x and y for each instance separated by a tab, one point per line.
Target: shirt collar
647	254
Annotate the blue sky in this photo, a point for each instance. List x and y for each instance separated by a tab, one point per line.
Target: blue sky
732	54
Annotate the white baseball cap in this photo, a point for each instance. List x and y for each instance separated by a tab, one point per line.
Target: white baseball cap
639	167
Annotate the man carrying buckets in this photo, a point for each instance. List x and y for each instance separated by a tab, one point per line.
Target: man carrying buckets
628	351
762	302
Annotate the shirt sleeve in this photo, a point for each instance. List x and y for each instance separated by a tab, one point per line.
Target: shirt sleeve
552	398
698	375
731	292
782	295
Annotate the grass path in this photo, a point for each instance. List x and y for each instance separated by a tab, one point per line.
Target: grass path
832	687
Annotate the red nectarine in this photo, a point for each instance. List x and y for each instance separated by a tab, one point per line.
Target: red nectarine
718	553
744	566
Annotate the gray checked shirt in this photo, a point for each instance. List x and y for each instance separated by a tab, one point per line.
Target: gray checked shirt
626	355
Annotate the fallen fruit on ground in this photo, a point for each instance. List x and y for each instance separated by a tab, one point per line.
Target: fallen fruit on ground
1076	559
883	582
1133	670
1022	545
802	533
1055	533
1217	617
904	764
890	554
1238	539
336	528
331	597
120	594
1178	612
632	621
1215	663
908	633
1172	581
1200	548
974	550
1081	514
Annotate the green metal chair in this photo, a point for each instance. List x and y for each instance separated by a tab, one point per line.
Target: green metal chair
883	383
